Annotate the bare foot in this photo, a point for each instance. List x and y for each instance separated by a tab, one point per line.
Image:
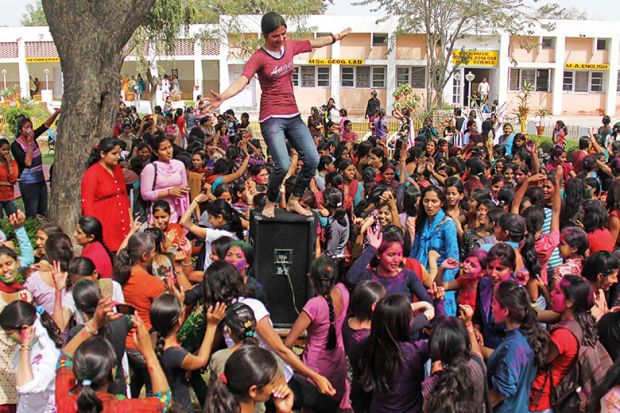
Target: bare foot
269	211
294	206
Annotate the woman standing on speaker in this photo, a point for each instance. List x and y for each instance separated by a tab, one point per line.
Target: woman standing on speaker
279	116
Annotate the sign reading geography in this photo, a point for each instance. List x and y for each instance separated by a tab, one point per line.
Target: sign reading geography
586	66
476	57
353	62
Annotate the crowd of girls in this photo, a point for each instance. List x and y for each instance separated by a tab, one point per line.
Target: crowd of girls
453	272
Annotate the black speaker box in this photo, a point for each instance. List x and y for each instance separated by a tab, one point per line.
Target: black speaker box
283	250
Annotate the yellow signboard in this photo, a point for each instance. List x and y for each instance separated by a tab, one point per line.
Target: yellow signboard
475	57
352	62
586	66
42	59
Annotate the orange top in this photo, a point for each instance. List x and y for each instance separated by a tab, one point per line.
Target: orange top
140	291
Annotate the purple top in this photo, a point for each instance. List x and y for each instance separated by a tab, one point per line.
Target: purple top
42	293
405	282
406	393
329	363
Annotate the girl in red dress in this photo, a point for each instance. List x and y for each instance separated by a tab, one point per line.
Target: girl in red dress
104	194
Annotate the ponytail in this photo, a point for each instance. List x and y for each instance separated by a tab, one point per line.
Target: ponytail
331	336
220	399
20	313
164	315
249	366
514	297
105	145
93	363
87	401
324	277
530	256
231	216
122	267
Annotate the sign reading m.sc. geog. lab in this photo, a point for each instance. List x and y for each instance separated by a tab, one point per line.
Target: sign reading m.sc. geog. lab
42	59
351	62
475	57
586	66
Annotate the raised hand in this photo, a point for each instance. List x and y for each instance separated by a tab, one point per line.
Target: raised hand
216	313
282	398
17	219
449	264
104	313
466	313
375	237
214	101
141	337
58	276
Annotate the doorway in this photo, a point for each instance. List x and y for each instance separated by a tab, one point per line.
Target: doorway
480	74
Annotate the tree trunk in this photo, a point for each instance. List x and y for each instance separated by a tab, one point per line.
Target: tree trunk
90	37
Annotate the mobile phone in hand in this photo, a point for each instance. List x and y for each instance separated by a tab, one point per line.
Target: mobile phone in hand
125	309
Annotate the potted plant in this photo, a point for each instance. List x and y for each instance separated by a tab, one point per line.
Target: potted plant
131	87
6	97
523	108
541	114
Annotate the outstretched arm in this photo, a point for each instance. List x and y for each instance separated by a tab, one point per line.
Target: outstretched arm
217	99
327	40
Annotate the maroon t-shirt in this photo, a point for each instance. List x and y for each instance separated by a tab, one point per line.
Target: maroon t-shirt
276	79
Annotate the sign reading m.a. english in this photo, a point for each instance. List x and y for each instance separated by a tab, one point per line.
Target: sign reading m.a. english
586	66
476	57
352	62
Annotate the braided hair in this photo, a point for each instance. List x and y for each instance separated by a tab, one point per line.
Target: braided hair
324	276
241	322
164	313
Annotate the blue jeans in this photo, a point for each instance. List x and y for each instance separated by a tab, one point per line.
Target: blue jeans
276	131
8	207
35	198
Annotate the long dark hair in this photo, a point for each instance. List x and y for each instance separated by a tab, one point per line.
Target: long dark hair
59	248
364	296
452	392
249	366
94	360
230	215
580	292
92	226
105	145
391	325
20	313
594	215
164	315
421	219
574	194
602	263
512	296
324	277
516	227
223	284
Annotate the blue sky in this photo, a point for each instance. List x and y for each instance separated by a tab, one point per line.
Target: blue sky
598	9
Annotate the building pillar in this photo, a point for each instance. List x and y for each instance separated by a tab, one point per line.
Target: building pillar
24	74
558	76
503	69
391	73
198	75
224	80
612	78
334	75
448	88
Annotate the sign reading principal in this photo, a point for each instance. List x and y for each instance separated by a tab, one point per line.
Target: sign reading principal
475	57
350	62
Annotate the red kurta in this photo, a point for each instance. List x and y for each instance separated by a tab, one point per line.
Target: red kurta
105	197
